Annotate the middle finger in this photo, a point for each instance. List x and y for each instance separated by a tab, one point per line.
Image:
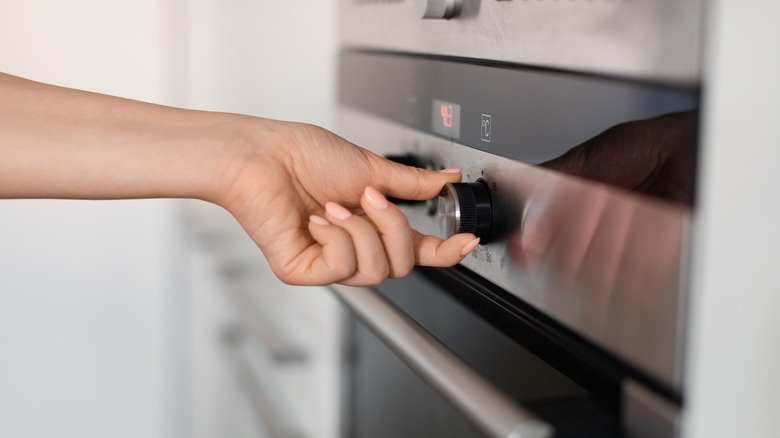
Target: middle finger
394	231
372	265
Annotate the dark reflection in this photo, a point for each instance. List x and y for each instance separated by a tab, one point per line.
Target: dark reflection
654	156
604	260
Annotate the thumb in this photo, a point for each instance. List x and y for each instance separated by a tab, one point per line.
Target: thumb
412	183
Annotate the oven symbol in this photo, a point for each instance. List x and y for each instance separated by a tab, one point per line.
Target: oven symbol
486	128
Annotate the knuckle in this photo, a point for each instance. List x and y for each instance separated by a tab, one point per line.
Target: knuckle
418	185
342	270
285	272
376	276
403	269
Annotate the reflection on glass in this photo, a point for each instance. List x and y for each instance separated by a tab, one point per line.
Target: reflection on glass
601	258
654	156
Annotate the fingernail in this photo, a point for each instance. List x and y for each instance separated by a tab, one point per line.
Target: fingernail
375	199
337	211
451	170
467	248
318	220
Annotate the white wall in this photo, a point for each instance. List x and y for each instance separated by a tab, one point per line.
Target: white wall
273	59
733	385
85	287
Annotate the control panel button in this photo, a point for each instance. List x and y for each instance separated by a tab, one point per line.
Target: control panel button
466	208
438	9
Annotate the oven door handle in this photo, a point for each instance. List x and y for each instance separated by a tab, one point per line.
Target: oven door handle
469	393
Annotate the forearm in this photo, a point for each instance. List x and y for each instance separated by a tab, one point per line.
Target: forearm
293	187
62	143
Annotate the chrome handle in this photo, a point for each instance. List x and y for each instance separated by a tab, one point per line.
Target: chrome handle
256	324
469	393
270	419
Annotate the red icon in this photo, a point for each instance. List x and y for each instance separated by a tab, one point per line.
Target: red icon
446	115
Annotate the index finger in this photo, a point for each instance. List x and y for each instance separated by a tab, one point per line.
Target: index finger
406	182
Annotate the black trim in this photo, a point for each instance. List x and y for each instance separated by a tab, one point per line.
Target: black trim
521	66
591	367
535	114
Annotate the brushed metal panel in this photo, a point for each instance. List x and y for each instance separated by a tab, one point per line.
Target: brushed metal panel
602	261
652	40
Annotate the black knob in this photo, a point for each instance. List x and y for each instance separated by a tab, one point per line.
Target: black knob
466	208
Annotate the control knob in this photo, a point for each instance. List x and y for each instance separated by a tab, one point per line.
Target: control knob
466	208
438	9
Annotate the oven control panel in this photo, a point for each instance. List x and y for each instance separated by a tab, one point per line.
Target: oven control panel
582	253
602	260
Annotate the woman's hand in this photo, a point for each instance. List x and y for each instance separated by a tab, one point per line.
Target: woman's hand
311	200
314	204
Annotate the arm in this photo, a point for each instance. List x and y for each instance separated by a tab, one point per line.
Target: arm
311	200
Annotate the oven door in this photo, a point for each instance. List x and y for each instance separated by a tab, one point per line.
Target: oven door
424	362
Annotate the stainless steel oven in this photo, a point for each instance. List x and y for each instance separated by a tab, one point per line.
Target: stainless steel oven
575	124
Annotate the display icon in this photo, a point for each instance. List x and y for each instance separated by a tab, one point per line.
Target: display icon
446	119
486	128
446	115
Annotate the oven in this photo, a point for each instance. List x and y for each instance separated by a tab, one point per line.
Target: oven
575	124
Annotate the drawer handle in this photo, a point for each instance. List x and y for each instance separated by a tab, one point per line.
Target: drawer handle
256	324
463	388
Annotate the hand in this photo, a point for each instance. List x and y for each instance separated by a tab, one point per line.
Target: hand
314	204
311	200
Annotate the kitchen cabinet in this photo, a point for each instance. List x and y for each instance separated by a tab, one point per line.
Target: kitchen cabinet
265	355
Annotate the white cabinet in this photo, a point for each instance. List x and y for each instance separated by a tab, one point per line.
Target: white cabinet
273	60
266	356
88	289
102	332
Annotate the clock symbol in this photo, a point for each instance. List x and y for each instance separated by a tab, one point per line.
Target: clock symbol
486	128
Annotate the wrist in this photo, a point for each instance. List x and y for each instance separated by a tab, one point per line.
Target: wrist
245	154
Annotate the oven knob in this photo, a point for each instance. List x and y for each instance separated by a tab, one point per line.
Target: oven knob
466	208
441	9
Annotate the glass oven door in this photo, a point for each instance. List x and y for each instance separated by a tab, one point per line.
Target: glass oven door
395	389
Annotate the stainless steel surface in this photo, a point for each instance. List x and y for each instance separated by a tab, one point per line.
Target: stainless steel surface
466	208
641	39
601	261
441	9
269	418
646	415
256	324
449	212
484	405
